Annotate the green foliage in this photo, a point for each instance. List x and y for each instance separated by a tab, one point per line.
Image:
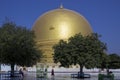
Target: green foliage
104	61
17	45
59	50
114	61
83	50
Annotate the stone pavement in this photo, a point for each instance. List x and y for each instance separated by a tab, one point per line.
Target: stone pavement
32	76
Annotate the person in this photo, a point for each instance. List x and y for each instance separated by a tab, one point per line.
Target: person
52	72
21	72
24	71
110	72
45	73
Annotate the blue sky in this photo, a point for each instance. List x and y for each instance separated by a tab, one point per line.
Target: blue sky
103	15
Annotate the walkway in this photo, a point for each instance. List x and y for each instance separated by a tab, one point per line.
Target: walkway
32	76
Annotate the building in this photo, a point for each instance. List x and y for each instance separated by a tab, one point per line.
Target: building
58	24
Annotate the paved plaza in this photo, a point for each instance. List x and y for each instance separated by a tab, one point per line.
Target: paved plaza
58	76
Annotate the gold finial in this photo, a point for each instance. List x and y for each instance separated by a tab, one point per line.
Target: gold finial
61	6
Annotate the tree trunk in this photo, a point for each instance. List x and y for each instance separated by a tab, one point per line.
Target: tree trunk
0	71
108	71
81	69
0	66
81	74
12	70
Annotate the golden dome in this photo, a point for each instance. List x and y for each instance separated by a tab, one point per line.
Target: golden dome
60	24
55	25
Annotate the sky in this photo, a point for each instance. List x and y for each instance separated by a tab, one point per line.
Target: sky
103	15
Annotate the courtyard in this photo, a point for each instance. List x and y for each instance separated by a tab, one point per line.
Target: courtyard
57	76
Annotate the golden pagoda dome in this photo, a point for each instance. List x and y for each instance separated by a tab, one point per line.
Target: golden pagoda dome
58	24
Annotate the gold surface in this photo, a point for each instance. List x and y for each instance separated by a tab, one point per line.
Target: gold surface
58	24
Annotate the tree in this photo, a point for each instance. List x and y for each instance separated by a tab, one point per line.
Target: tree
104	61
17	46
83	50
114	61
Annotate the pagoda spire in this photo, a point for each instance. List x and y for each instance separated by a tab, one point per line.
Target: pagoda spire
61	6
